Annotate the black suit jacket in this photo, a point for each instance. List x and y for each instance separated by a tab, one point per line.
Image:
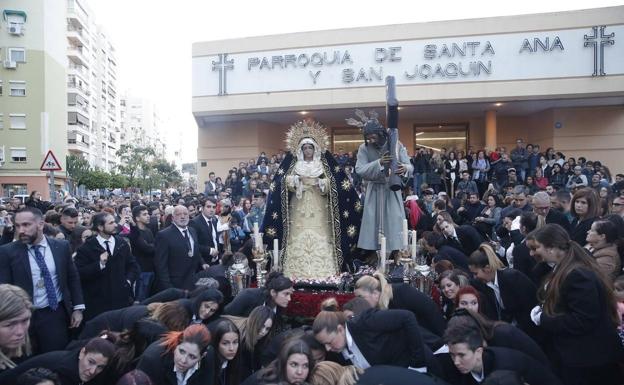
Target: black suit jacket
158	365
583	333
388	337
427	313
173	266
245	302
114	320
523	261
205	236
469	239
108	288
143	242
555	216
63	363
15	269
452	254
530	370
519	296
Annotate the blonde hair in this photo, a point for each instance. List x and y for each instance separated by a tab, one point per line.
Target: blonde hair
13	301
376	282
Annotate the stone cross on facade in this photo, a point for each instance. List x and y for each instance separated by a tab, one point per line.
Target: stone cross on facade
222	66
598	42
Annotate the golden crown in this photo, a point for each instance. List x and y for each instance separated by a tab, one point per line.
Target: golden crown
306	129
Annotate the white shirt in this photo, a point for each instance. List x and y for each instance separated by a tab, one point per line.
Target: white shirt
184	377
478	377
111	245
40	297
213	234
494	286
352	352
190	237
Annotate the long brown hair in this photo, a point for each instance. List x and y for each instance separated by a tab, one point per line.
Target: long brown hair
555	236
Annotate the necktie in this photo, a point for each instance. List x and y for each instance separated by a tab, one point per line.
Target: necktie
108	250
47	278
188	243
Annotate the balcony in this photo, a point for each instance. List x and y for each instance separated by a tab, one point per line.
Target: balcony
77	36
77	69
81	88
76	14
78	55
83	109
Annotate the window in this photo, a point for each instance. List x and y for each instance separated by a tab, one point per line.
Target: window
346	140
18	121
204	164
18	154
17	55
15	21
0	87
438	136
1	121
17	88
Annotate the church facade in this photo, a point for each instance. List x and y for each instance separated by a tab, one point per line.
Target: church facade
554	79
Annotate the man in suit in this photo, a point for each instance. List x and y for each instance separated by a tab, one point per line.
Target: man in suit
69	220
44	268
142	242
211	186
177	257
464	238
542	207
107	268
205	225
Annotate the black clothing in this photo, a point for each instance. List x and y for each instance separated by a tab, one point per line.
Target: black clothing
114	320
452	254
206	236
393	375
245	302
579	229
166	295
468	240
172	264
427	313
583	334
143	247
555	216
158	365
523	261
111	287
63	363
509	336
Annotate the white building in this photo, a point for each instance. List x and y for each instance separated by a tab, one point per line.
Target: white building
141	124
93	103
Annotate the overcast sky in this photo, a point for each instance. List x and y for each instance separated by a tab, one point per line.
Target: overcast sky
153	38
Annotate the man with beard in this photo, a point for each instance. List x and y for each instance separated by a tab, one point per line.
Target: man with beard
44	268
107	268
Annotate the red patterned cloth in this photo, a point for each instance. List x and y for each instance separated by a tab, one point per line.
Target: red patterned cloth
307	303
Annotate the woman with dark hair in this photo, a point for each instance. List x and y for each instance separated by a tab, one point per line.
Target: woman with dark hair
530	184
226	345
254	336
499	333
451	173
78	366
545	166
180	358
78	237
490	217
275	294
585	209
578	311
291	367
450	282
38	376
601	239
204	308
558	179
382	295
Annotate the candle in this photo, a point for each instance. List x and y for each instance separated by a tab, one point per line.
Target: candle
276	254
405	234
414	245
382	253
257	238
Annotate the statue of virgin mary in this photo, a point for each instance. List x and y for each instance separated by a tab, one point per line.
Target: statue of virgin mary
313	208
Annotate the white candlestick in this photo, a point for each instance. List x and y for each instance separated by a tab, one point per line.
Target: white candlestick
257	238
414	245
405	235
276	254
382	253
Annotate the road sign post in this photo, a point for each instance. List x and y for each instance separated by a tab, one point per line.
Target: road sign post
50	164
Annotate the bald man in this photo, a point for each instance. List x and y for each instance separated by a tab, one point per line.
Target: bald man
177	257
542	207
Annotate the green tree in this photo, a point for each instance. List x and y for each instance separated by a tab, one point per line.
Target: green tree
96	179
118	181
77	167
136	162
167	172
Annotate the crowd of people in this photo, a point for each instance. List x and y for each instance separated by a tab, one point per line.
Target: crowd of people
528	249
